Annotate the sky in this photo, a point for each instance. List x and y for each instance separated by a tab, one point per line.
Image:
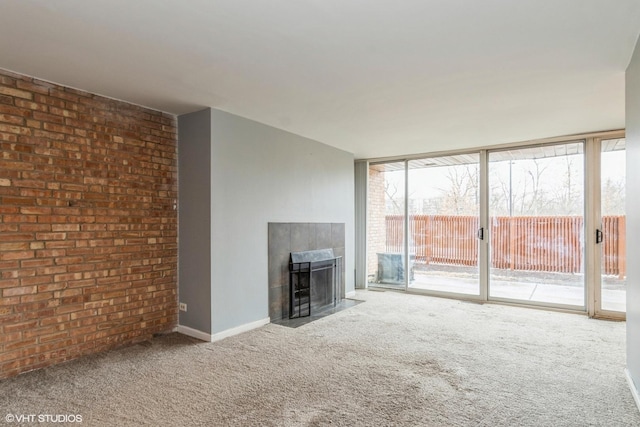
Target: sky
434	182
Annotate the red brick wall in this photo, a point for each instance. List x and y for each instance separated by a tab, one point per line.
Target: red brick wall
88	226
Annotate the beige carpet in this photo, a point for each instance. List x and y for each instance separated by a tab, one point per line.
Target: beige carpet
394	360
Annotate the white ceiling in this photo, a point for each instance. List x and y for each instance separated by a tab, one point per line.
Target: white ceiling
372	77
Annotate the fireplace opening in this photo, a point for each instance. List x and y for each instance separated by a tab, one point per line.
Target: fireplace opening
314	281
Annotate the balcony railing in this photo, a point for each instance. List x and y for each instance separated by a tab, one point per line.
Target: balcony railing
529	243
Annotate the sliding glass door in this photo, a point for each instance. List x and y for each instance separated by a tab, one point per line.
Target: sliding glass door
611	235
386	225
536	220
444	206
514	225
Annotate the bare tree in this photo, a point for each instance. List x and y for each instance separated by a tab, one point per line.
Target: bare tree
613	197
461	196
568	197
391	192
533	201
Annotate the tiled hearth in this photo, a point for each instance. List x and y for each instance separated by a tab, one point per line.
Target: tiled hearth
287	237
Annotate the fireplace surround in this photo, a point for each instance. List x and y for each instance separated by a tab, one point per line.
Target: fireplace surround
285	238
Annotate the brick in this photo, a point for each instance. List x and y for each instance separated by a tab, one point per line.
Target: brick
51	287
9	355
35	210
62	112
23	272
19	130
35	193
50	270
46	101
34	124
22	103
9	165
36	298
45	117
20	201
58	128
32	183
66	94
36	263
70	293
66	277
9	210
33	227
9	301
86	218
36	280
16	237
65	227
54	320
14	246
51	236
69	308
53	337
68	260
83	313
20	326
35	86
6	256
23	290
16	92
15	120
42	331
31	306
9	283
12	264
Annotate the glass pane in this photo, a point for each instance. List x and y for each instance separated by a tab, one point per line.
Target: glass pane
536	208
613	248
385	225
443	222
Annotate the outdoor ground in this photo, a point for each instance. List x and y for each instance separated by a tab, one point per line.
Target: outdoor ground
546	287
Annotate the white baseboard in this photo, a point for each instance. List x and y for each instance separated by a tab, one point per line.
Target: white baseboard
185	330
350	294
240	329
634	390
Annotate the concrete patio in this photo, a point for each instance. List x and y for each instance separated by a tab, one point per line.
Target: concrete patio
556	288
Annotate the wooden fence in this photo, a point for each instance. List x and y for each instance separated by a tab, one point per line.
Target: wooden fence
544	243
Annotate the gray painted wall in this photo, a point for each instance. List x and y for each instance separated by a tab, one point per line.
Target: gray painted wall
260	174
633	216
360	182
194	219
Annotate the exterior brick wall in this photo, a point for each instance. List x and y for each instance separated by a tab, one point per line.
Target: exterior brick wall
376	226
88	224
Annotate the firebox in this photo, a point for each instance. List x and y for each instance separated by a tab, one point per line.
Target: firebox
314	281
